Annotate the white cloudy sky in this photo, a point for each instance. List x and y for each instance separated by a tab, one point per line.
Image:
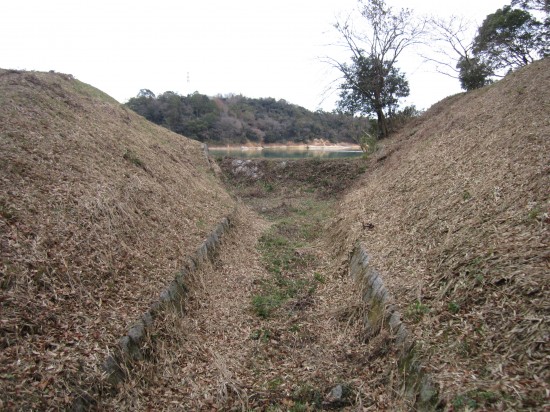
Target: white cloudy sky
255	47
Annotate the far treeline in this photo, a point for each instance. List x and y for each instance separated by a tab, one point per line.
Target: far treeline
237	119
372	84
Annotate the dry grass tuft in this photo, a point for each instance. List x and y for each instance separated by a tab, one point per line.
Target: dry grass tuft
98	209
455	211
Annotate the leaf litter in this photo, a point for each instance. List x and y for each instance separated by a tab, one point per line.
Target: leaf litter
89	235
223	354
454	211
459	204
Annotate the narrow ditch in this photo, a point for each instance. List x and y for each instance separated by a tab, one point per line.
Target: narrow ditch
273	324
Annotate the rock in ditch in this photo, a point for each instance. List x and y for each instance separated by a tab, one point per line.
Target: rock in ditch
245	168
338	396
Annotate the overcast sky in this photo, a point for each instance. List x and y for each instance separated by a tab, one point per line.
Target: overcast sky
258	48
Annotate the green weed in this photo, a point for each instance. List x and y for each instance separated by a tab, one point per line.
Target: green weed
454	307
535	214
299	407
266	303
275	383
134	159
474	399
295	328
268	187
279	253
318	277
368	143
461	402
474	269
416	311
262	335
305	394
282	261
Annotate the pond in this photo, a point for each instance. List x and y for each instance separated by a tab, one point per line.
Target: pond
285	152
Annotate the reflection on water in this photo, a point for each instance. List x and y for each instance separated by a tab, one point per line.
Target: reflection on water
285	153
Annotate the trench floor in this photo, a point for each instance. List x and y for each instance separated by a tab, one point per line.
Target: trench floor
272	325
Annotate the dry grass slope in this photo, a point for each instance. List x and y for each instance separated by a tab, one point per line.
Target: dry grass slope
455	210
98	208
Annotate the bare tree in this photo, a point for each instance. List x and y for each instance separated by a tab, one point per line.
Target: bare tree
452	50
450	40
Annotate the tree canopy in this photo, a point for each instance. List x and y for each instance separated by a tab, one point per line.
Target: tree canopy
371	86
509	38
372	83
473	73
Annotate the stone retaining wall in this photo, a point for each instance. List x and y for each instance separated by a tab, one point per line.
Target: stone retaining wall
381	313
130	348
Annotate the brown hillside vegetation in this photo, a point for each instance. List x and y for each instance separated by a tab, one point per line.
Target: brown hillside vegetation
455	211
98	209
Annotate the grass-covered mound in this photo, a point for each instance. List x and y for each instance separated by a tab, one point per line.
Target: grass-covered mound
98	209
455	211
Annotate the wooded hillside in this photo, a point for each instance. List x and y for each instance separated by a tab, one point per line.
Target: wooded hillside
239	120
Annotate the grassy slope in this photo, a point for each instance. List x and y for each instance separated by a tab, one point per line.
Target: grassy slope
460	207
98	208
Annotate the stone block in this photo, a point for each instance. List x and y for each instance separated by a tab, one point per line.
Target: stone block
155	308
129	348
416	383
202	254
137	332
428	393
372	276
395	320
125	345
382	293
147	319
113	371
221	228
165	297
181	279
211	245
173	293
190	265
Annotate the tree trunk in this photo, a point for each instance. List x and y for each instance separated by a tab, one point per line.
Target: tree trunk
382	123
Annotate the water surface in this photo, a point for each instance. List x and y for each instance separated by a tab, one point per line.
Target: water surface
285	153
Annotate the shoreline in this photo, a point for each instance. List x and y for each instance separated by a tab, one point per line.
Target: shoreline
335	147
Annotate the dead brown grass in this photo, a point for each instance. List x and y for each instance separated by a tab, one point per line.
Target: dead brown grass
222	356
98	209
455	211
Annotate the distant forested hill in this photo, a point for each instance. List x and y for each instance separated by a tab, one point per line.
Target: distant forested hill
236	119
